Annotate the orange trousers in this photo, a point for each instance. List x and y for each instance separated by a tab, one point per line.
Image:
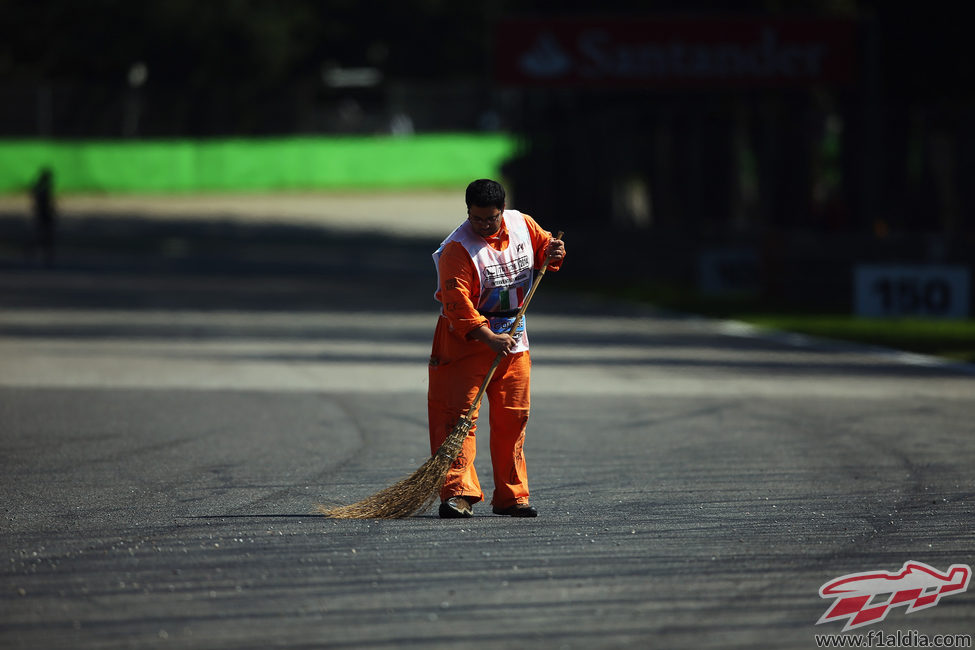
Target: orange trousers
457	369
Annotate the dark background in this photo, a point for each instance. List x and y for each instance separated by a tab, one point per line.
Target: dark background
803	181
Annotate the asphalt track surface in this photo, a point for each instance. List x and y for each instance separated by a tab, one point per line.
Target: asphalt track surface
172	409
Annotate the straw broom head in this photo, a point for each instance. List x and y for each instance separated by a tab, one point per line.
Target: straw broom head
413	494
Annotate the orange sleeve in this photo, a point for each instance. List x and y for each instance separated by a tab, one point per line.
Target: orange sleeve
540	239
459	289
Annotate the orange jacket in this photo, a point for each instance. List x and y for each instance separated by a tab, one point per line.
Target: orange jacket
460	287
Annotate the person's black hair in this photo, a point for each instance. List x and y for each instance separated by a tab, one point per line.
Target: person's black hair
485	193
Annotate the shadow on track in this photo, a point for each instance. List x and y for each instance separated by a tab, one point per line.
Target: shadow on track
131	263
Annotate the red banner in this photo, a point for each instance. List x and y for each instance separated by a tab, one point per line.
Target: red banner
670	52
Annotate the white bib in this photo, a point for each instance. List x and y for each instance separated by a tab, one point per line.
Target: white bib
505	276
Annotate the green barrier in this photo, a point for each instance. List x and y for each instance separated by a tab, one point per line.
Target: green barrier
256	165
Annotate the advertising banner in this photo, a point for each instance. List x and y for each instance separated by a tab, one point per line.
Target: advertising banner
668	52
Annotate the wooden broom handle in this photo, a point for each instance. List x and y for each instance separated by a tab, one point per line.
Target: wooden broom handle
511	330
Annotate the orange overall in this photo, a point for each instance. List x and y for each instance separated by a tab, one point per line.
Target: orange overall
458	366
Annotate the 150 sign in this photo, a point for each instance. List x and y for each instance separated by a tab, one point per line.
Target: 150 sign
911	290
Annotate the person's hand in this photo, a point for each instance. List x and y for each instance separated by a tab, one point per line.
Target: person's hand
555	250
502	343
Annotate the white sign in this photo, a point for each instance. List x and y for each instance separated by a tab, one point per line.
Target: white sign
911	290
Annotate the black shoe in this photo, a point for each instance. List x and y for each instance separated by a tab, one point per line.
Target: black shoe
456	508
517	510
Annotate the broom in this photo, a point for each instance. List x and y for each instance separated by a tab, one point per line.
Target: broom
418	491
